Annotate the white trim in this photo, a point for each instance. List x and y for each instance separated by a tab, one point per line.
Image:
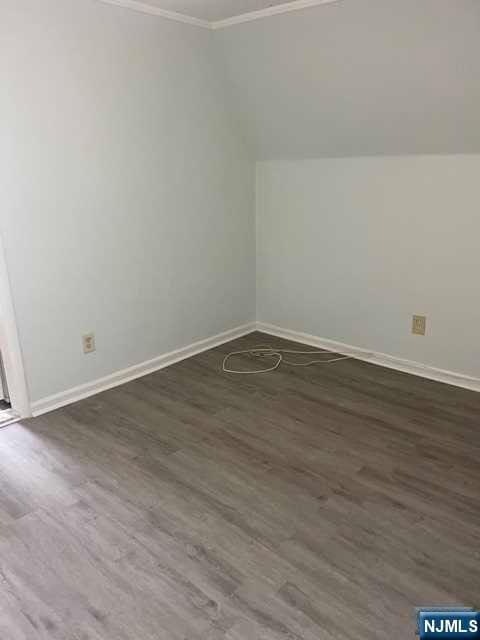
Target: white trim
160	362
382	359
8	416
137	371
10	344
141	7
295	5
287	7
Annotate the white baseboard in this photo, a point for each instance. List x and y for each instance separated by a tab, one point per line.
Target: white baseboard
137	371
382	359
7	416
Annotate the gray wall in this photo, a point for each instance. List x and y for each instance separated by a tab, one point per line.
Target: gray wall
126	195
359	77
350	249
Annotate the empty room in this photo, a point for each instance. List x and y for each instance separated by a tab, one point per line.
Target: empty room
239	319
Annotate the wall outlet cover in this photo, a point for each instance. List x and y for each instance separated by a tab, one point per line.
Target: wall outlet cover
88	341
419	325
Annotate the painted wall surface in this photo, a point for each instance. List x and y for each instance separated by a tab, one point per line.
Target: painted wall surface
126	195
359	77
350	249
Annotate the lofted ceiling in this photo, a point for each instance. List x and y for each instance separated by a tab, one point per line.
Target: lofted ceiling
359	77
323	78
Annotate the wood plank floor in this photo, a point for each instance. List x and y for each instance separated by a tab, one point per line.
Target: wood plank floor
316	503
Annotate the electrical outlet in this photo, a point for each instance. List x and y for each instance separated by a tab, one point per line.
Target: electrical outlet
88	341
419	325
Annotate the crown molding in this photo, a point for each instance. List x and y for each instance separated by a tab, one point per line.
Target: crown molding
141	7
287	7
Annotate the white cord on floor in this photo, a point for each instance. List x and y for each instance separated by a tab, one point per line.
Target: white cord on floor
279	355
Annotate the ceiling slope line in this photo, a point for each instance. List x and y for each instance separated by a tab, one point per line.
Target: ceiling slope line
142	7
287	7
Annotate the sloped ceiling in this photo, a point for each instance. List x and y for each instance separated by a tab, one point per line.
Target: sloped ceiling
359	77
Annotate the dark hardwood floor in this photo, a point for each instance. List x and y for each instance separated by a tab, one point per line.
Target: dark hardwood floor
322	503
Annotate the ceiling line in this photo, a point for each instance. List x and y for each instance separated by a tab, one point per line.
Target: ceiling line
295	5
142	7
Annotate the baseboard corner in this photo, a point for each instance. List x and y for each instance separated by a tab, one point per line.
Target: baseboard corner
117	378
382	359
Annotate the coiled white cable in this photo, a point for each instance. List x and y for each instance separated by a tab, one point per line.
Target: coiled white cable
279	355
